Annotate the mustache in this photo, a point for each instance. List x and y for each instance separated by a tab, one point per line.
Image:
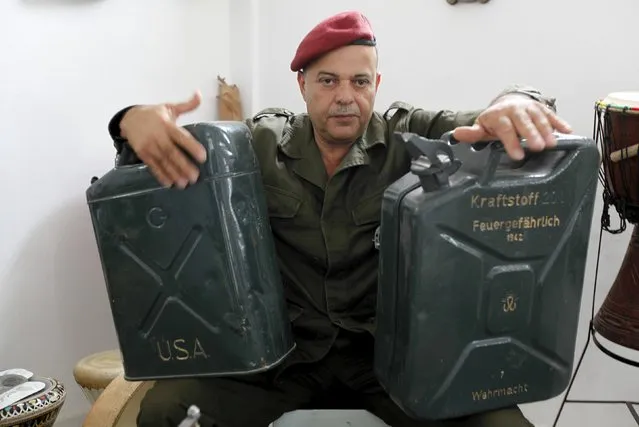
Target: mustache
344	111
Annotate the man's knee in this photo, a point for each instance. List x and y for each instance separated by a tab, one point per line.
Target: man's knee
222	402
507	417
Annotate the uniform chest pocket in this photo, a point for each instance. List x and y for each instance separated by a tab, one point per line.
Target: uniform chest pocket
281	203
368	210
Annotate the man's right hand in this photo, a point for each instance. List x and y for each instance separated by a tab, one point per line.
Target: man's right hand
155	137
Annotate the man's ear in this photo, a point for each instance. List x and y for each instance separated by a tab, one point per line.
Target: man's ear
301	81
378	80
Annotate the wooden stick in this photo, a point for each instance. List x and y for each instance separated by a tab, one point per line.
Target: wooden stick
624	153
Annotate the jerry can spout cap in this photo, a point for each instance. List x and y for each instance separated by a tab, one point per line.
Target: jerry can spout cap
433	160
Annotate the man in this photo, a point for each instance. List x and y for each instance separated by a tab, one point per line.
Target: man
324	174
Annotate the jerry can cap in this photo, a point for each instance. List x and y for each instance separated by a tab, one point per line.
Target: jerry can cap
433	160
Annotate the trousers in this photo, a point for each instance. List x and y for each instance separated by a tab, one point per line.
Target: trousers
343	379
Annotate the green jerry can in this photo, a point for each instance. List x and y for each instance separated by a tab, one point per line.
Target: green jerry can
482	265
191	274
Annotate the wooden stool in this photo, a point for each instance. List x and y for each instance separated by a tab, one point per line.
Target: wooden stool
93	373
118	405
38	410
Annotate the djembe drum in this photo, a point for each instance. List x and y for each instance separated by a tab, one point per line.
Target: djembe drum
94	372
38	410
617	133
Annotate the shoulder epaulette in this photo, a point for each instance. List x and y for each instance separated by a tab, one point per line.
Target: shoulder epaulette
283	112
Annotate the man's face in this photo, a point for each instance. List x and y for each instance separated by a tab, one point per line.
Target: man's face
339	90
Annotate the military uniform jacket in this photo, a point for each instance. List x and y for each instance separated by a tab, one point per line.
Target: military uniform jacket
323	227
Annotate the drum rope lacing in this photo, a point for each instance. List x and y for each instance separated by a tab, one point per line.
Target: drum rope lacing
603	131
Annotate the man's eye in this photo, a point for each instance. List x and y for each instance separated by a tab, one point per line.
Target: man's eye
327	81
361	82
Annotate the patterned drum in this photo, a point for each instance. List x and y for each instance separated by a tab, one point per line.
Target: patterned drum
94	372
38	410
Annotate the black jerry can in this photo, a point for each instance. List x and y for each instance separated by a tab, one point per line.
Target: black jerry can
482	264
192	276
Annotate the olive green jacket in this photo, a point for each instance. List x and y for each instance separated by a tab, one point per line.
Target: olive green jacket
324	227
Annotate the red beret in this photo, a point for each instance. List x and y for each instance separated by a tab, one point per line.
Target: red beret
339	30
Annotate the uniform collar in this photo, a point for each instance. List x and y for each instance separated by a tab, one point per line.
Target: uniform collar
298	140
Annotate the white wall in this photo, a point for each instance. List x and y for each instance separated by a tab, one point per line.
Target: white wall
66	68
60	56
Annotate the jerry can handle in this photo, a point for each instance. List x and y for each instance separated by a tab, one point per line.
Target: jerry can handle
497	150
433	160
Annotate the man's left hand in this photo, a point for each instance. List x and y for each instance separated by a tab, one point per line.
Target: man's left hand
511	118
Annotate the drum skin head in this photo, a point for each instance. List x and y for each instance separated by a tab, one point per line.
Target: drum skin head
97	370
621	101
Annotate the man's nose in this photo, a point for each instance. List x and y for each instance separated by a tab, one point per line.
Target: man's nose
345	92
